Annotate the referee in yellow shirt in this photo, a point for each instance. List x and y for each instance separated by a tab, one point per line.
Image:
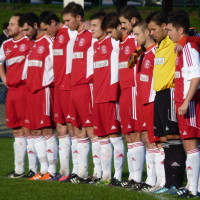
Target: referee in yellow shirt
165	123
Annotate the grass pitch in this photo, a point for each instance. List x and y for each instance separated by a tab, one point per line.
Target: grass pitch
22	189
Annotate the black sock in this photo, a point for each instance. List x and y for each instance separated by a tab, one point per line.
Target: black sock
174	165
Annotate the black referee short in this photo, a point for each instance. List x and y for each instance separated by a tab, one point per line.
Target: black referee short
165	122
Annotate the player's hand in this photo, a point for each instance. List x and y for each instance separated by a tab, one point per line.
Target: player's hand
182	110
133	59
4	81
178	48
86	26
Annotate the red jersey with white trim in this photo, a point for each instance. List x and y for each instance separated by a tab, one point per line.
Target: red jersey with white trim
126	75
105	78
14	52
82	63
187	68
145	76
40	64
63	54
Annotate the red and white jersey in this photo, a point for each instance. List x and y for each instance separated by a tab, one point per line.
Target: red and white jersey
40	64
105	78
14	53
126	75
145	76
63	54
187	68
82	63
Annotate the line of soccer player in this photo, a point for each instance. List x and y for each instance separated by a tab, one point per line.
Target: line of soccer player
96	81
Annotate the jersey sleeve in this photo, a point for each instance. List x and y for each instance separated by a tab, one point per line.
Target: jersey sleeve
69	49
114	70
90	56
2	55
191	59
48	75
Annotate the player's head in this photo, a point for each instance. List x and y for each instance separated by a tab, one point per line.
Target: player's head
30	23
96	21
128	16
141	32
73	14
178	24
112	25
14	30
157	22
49	22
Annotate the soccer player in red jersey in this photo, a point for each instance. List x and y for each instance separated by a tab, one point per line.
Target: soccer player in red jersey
39	82
81	99
129	110
13	52
106	86
62	52
154	156
187	96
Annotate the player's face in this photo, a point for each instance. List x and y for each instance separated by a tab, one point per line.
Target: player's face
158	32
114	33
126	24
140	35
97	32
49	29
71	22
29	31
173	33
13	28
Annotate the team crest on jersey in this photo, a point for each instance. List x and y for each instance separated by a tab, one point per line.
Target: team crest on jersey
81	42
61	39
147	64
127	50
22	47
103	49
7	52
40	49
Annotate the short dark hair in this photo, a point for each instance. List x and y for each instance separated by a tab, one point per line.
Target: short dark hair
180	18
18	15
110	20
129	12
98	15
74	9
142	24
47	15
158	17
29	18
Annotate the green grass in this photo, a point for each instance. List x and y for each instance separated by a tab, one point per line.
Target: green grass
21	189
7	10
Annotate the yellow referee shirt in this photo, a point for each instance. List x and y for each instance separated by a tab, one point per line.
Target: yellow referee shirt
164	65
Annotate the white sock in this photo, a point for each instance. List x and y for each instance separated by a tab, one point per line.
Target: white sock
150	165
199	174
106	158
31	152
64	154
52	153
192	169
40	148
159	164
129	160
96	157
83	148
74	143
118	145
19	152
138	154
